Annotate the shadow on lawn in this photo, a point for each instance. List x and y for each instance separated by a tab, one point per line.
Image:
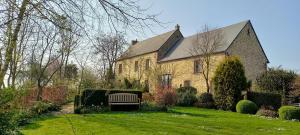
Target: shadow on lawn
171	111
189	114
33	124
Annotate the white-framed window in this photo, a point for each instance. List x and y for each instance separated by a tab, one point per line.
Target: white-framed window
197	66
166	80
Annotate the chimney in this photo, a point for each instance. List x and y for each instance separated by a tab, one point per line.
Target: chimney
177	27
133	42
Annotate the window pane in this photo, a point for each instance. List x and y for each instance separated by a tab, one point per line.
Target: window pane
120	68
187	83
147	64
136	66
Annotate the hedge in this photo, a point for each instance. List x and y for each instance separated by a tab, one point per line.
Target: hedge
289	112
265	99
97	97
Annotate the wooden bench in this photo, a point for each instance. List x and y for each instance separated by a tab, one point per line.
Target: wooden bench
123	99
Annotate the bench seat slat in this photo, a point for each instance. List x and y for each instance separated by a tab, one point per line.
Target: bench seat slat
123	99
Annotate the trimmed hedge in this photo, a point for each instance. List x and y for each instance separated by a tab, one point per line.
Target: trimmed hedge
99	97
265	99
186	96
246	106
289	112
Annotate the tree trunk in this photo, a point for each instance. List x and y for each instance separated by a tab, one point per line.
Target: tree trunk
39	92
13	44
207	86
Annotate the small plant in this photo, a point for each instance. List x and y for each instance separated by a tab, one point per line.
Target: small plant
44	107
186	96
289	113
147	97
24	117
152	107
8	123
91	109
267	113
246	107
127	83
165	97
205	100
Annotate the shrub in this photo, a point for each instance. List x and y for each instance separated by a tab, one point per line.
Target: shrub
99	97
91	109
265	99
152	107
127	83
77	110
205	100
8	119
277	80
76	101
186	96
24	117
229	81
289	112
148	97
8	123
246	106
44	107
267	113
57	95
165	97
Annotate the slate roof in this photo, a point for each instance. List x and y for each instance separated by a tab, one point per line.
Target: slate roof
182	48
147	46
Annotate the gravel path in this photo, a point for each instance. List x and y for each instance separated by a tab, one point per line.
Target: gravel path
65	109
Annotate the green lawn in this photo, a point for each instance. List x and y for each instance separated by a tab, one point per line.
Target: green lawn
180	120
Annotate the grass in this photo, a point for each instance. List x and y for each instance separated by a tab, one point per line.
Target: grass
179	120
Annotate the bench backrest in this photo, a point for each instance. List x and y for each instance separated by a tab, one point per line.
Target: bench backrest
123	98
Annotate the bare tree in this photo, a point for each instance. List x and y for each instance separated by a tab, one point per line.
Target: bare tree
118	14
204	46
109	48
45	58
157	73
82	61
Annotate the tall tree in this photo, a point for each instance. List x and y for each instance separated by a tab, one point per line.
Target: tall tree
45	57
117	14
109	48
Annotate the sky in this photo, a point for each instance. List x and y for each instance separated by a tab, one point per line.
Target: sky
276	22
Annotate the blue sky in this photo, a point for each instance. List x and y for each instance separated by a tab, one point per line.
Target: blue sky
276	22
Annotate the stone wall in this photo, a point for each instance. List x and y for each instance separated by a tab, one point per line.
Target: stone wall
184	70
247	47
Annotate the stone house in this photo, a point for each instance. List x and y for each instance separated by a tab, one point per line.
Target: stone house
165	58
